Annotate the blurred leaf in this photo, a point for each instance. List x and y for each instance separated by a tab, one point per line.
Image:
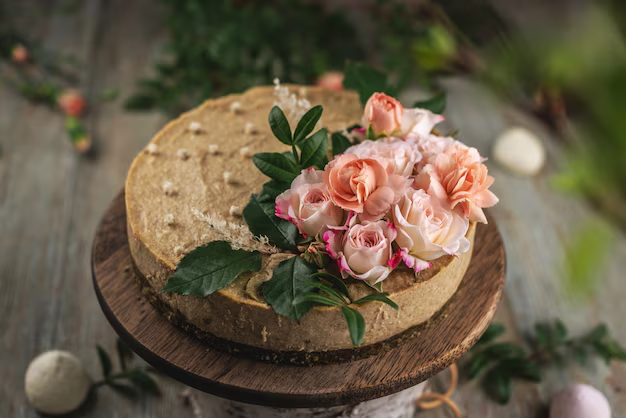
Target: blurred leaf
520	368
366	81
477	364
497	385
436	104
144	382
123	353
105	361
493	331
124	390
504	350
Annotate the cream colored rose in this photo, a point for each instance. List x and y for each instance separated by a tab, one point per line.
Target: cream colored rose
400	156
426	230
364	251
308	205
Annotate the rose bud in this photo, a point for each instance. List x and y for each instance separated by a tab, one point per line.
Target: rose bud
426	230
19	54
365	251
308	204
72	103
332	80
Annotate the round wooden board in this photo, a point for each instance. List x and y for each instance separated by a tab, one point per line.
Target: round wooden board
455	329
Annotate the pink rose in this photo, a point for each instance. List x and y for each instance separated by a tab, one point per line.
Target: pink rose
72	103
383	114
426	230
19	54
364	251
459	179
400	156
362	185
432	145
332	80
307	204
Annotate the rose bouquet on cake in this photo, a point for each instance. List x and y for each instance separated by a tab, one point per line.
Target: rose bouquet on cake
402	195
391	193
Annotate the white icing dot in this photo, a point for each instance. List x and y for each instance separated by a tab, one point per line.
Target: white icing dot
204	237
195	127
183	154
214	149
276	81
169	189
228	177
245	152
178	250
249	128
169	219
235	107
152	149
303	91
234	210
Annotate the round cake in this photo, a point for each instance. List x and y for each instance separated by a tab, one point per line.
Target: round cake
188	188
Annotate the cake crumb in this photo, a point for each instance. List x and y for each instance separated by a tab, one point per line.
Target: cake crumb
169	219
183	154
204	237
245	152
152	149
228	177
249	128
214	149
235	210
169	189
303	91
178	250
264	334
195	127
235	107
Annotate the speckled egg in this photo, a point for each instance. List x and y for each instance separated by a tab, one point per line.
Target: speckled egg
579	401
56	382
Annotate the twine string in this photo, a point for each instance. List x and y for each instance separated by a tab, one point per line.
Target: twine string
432	400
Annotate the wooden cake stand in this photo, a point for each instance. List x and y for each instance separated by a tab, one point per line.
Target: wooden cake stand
440	343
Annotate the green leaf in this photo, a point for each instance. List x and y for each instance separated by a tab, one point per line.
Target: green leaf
560	330
504	350
124	390
616	350
262	221
316	298
276	166
339	283
211	267
272	189
543	335
581	355
436	104
288	282
144	382
307	123
477	364
141	102
598	333
280	126
520	368
105	361
493	331
314	149
123	353
329	290
365	80
497	385
378	297
340	143
356	324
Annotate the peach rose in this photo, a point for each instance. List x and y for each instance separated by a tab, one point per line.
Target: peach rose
426	230
383	114
19	54
400	156
363	185
307	204
459	179
364	251
432	145
386	117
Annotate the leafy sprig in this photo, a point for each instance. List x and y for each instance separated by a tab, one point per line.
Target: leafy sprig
500	363
130	382
330	290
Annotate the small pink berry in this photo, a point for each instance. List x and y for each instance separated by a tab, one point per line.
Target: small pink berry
19	54
332	80
72	103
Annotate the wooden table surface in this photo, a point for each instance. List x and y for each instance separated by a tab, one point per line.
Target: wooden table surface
51	201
